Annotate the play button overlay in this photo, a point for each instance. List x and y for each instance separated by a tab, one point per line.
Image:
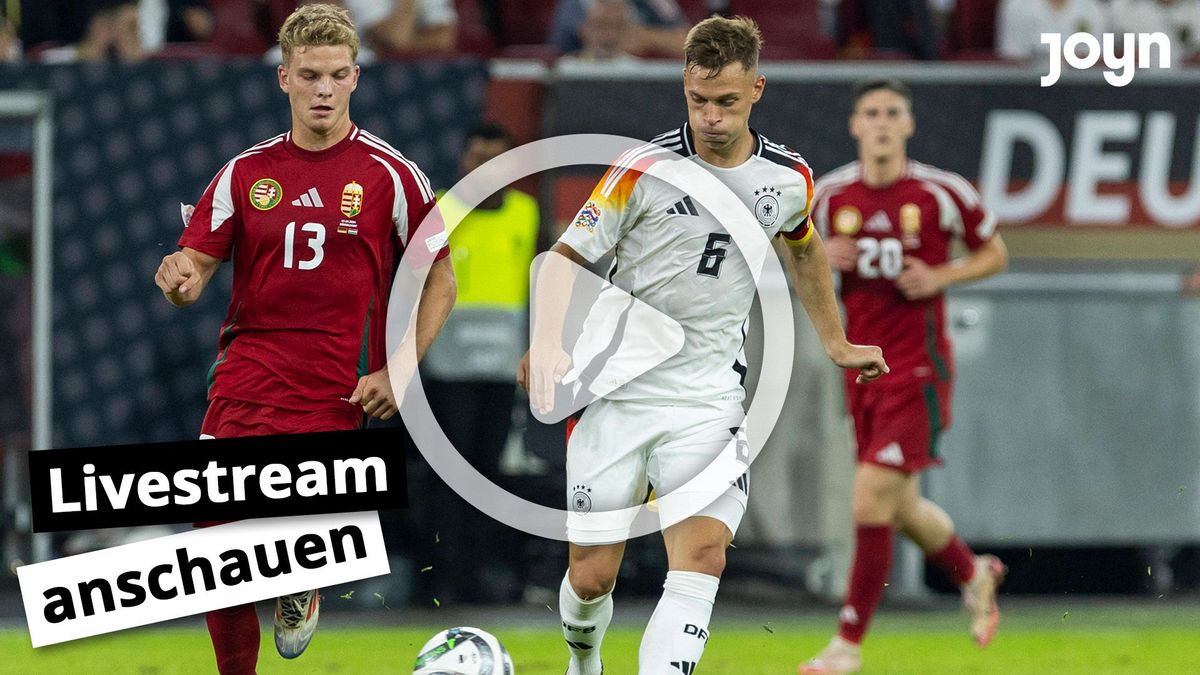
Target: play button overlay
611	337
604	353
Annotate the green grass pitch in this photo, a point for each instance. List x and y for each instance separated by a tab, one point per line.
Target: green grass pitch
1058	639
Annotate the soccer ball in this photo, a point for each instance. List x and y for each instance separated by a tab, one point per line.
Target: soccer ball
463	651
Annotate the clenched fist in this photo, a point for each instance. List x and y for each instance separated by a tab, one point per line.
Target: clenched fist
182	275
176	276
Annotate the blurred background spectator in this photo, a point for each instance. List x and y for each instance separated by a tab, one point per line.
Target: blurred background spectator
53	22
1020	23
10	44
1179	19
593	30
904	27
391	28
399	27
659	29
164	21
606	33
113	33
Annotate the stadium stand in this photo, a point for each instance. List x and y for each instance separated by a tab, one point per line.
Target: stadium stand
791	28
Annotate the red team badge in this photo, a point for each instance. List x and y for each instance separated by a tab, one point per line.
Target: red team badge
265	194
847	221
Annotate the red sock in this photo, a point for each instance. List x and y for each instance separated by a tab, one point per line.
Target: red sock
234	633
956	560
868	574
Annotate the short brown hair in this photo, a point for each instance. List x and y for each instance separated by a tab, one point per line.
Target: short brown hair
318	25
887	84
717	42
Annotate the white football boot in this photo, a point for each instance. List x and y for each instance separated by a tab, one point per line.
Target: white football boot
979	597
837	658
295	622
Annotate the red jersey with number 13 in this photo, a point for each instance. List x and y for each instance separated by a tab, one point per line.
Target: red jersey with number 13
919	216
314	238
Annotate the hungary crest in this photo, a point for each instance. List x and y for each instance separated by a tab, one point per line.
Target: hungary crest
352	199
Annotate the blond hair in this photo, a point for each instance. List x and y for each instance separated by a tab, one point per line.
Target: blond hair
318	25
717	42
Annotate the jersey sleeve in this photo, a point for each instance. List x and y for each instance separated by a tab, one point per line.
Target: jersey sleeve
217	216
963	212
798	230
417	219
609	213
820	209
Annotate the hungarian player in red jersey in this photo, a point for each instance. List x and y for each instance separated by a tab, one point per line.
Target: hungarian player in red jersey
314	221
890	223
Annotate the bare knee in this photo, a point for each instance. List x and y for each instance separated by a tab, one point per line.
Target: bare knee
704	557
593	572
590	584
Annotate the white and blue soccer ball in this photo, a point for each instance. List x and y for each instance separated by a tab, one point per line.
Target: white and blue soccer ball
463	651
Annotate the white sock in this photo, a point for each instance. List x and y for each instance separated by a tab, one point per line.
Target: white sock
583	625
675	637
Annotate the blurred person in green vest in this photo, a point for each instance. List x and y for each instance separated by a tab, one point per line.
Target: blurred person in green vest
468	373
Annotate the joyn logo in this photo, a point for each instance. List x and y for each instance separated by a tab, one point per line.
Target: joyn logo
1120	68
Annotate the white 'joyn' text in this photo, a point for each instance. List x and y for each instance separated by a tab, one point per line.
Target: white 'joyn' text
1121	67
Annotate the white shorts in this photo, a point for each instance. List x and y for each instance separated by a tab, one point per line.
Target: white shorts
619	447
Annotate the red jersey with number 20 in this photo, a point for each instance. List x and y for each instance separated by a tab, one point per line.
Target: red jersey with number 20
314	238
919	216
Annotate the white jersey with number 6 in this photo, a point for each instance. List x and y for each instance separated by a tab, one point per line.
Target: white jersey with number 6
672	254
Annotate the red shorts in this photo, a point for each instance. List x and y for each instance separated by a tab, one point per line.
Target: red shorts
227	418
898	427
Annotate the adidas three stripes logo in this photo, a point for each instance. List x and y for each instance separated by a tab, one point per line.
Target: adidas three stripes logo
310	198
683	207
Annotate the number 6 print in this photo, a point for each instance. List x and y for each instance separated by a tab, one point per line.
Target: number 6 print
714	254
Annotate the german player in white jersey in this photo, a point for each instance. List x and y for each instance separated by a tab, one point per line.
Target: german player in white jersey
670	423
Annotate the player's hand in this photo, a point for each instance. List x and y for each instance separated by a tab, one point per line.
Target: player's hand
374	394
918	280
868	359
545	367
176	277
523	372
842	253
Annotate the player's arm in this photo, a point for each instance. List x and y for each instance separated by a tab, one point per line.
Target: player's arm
607	216
437	299
375	392
546	362
814	286
919	281
183	275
